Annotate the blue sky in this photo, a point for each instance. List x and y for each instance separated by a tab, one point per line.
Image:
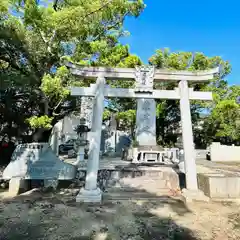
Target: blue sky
208	26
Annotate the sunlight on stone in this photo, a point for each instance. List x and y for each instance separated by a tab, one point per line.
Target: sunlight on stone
101	236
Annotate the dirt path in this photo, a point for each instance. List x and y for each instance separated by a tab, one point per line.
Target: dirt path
56	216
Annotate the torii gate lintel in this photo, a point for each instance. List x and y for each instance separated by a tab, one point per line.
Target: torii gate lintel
131	93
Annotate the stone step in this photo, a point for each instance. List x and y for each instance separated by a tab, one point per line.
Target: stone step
147	183
147	177
127	194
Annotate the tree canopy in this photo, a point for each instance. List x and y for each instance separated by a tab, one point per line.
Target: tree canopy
218	118
34	38
37	36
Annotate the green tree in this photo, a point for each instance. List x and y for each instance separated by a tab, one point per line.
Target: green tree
168	113
126	121
223	123
39	35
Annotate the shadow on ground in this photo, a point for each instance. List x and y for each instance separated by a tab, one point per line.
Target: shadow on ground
51	216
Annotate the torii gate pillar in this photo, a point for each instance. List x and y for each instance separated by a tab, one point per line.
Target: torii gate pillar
91	192
187	135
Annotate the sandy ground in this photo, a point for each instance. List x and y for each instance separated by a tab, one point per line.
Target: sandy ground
52	216
56	216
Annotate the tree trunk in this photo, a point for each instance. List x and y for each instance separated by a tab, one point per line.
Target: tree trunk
38	135
41	135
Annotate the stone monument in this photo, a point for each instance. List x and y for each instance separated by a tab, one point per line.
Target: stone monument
146	108
148	151
63	131
36	161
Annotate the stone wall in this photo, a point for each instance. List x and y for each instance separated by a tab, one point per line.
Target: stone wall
223	153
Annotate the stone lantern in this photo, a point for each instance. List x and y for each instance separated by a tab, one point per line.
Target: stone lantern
81	142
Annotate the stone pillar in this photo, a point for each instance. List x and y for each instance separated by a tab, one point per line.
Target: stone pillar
146	108
174	154
80	154
52	141
187	134
87	109
17	185
91	193
57	144
146	122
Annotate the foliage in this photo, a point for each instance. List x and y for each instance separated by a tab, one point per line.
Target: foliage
53	88
106	114
225	115
168	114
223	123
40	122
36	35
127	120
135	143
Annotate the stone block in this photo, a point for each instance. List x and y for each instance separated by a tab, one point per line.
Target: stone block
126	174
138	174
17	185
72	153
154	174
38	161
89	196
191	195
51	183
219	185
115	175
152	181
146	122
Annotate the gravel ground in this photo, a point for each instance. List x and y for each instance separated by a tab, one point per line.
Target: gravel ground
52	216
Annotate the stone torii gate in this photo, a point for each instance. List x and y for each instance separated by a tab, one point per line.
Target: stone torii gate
144	77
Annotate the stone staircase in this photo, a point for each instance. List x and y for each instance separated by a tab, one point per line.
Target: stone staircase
129	194
150	183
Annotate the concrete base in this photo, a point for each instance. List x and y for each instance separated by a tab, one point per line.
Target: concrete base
17	186
89	196
222	185
194	195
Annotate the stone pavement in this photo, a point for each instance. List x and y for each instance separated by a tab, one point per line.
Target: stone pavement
206	165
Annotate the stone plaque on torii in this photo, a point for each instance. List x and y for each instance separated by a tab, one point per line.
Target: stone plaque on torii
144	92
